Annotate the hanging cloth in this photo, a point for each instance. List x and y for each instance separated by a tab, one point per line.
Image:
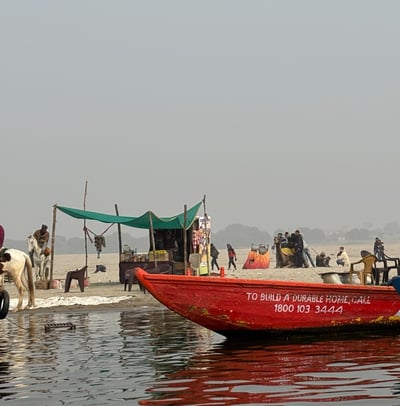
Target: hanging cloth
99	243
99	240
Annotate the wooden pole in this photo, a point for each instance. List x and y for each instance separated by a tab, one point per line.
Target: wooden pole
152	238
85	231
53	238
207	234
119	232
184	239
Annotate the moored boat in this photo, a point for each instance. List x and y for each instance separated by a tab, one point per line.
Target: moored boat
245	307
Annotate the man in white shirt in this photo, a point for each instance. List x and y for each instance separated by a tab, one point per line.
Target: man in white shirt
342	259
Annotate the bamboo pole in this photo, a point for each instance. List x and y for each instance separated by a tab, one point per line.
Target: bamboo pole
207	234
119	233
84	230
184	239
53	237
152	239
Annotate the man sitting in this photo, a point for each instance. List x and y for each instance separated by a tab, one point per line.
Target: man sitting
342	259
322	259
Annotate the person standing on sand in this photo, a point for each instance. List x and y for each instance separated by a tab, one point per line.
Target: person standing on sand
214	255
379	249
298	250
231	257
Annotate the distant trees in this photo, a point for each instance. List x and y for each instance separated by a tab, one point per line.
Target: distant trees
313	235
391	229
239	235
358	234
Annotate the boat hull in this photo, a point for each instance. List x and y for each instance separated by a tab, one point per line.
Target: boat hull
244	307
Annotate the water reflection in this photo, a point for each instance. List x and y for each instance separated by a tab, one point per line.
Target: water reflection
105	360
154	357
316	372
166	340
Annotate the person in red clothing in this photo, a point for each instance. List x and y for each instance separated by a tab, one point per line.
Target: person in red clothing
231	256
1	236
2	250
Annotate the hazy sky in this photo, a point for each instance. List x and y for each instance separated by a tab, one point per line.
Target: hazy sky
283	113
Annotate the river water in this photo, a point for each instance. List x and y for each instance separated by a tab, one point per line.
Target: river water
150	356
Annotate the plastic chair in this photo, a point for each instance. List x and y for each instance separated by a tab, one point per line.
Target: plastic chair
389	263
79	275
369	268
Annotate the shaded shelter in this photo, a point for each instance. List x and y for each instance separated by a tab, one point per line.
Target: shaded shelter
182	223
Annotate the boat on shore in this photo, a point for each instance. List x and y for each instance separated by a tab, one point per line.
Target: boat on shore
236	307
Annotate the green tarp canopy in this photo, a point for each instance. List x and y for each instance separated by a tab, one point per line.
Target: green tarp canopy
147	220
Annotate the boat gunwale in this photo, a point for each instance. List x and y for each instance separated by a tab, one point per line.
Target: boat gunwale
274	283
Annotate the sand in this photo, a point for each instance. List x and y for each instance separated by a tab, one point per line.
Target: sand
105	292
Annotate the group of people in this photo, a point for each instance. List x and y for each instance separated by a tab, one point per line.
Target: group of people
342	258
302	255
301	250
214	253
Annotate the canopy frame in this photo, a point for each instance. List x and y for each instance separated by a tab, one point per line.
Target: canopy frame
148	220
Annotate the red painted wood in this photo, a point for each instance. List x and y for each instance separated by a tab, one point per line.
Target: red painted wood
232	306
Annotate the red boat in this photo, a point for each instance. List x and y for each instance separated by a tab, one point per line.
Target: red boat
245	307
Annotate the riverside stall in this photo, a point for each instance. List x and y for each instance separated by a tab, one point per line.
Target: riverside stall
175	242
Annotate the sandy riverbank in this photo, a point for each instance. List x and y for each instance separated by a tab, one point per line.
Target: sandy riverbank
105	291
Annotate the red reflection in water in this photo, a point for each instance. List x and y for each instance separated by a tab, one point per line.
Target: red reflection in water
325	371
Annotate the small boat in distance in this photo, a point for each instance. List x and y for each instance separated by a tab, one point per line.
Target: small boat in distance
263	308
